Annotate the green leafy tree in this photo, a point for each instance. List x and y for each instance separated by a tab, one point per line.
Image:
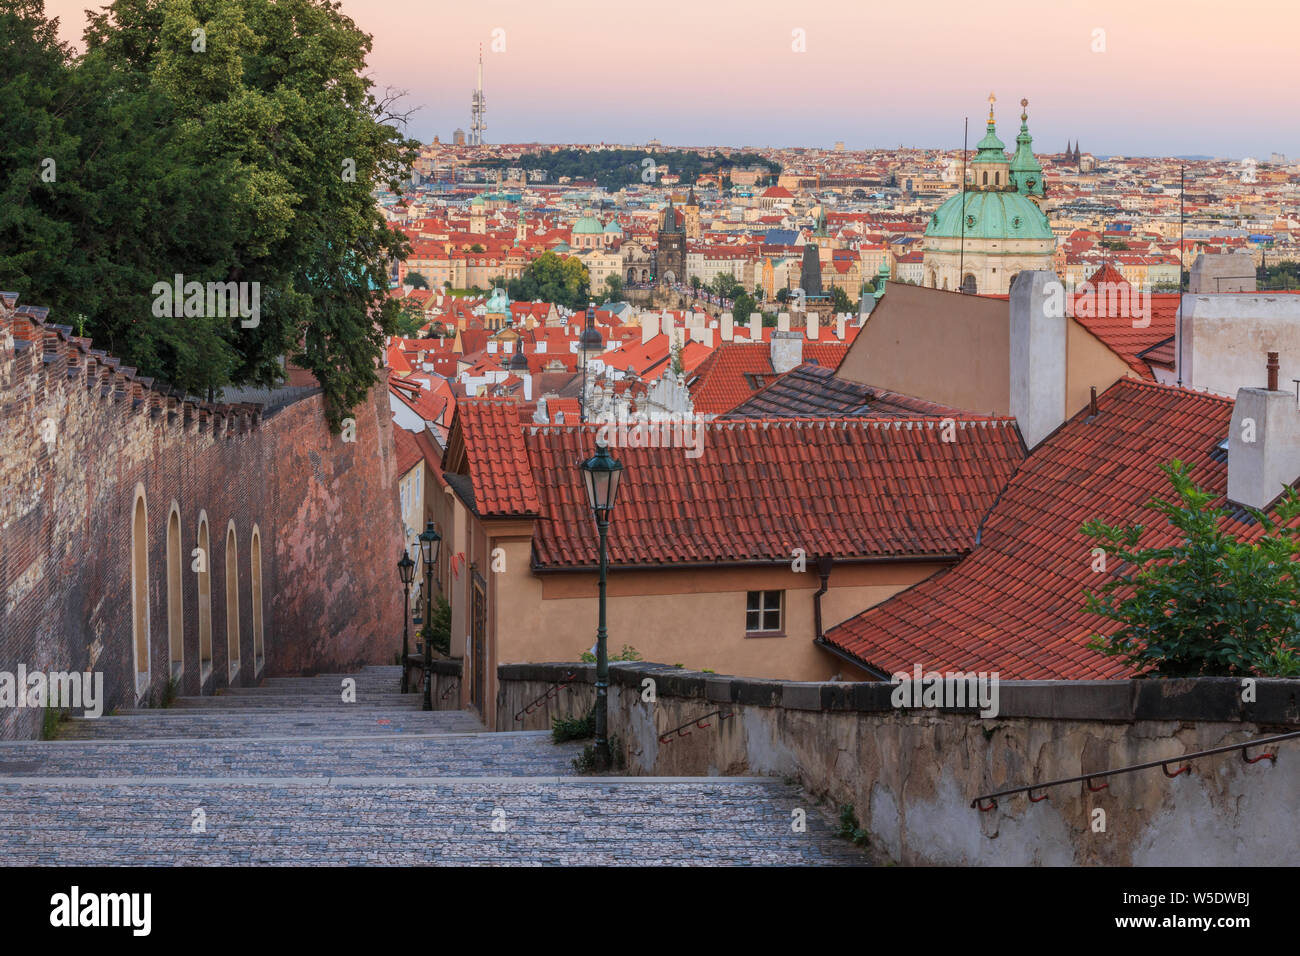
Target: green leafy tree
743	307
613	289
409	322
550	278
247	153
1211	604
726	285
840	300
416	280
695	283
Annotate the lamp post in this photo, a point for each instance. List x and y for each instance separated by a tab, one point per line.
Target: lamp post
601	474
429	541
406	569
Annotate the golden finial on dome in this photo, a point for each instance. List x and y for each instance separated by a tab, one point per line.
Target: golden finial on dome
1024	110
992	99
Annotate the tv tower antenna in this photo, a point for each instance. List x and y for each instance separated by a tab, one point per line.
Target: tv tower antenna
478	106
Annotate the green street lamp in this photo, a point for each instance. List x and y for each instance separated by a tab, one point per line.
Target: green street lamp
406	570
601	474
429	541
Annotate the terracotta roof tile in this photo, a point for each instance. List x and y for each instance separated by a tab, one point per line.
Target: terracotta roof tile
736	370
847	487
1015	604
498	463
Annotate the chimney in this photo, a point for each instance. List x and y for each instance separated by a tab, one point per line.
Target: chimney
787	351
1037	359
814	331
1264	443
703	336
755	327
783	322
649	327
727	330
839	327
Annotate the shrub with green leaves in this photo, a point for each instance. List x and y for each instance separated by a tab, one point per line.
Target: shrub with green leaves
628	653
574	728
1214	603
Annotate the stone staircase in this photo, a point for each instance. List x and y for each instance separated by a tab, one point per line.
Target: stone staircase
287	773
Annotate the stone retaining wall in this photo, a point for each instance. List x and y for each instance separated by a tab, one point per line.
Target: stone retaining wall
911	774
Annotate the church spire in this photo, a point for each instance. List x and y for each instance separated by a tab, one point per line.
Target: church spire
1026	173
989	164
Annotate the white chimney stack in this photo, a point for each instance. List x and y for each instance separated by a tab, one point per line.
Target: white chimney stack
814	330
703	336
839	327
755	327
1263	443
727	330
1037	359
649	327
787	351
783	322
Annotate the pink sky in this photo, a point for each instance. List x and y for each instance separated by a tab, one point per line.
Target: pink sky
1175	77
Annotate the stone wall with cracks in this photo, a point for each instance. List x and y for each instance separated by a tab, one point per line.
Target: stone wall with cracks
911	775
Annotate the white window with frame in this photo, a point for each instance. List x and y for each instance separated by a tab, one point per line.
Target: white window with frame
763	615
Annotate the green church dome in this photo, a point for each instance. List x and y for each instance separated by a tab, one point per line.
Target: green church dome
989	215
587	226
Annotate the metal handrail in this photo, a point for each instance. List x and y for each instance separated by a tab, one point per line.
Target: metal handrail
667	736
550	692
1087	778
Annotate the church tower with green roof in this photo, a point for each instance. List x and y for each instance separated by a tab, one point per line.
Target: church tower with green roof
980	238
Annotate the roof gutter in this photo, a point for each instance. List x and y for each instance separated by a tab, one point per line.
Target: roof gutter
845	656
757	562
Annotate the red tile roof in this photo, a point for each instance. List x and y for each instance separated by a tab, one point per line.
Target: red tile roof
1112	309
566	407
497	462
720	382
408	452
848	487
1015	605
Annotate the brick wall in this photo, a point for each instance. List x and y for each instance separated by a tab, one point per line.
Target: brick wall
326	511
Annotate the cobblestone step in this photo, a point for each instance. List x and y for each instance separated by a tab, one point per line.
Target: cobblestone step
458	755
286	773
259	723
705	821
230	701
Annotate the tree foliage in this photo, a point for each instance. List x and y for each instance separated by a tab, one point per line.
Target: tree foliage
219	140
743	307
613	289
1211	604
551	278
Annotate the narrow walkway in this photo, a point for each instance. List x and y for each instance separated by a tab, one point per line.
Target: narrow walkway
286	773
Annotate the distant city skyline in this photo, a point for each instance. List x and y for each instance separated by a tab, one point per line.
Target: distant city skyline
727	73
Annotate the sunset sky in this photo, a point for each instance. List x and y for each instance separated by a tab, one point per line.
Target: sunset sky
1193	77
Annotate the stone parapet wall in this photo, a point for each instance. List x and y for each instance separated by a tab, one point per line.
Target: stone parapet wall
911	775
